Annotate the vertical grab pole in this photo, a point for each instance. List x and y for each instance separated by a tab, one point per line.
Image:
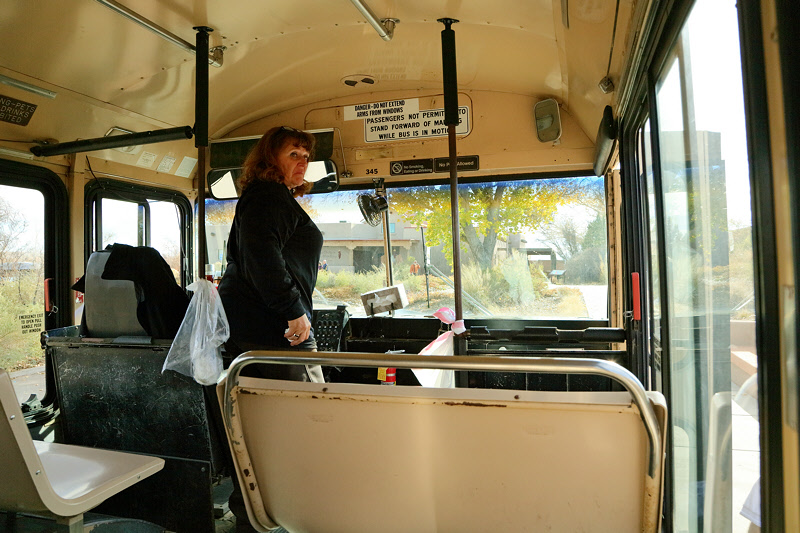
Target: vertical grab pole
451	119
201	139
380	190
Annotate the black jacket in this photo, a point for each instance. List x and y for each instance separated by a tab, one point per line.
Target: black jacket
273	252
161	301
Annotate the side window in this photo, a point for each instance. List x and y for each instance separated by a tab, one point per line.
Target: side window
140	216
33	254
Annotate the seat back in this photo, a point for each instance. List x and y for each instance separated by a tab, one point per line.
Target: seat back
110	304
347	457
19	461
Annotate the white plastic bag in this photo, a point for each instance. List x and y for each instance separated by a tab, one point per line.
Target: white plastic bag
442	345
196	352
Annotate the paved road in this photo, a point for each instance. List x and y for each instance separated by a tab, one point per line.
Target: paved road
27	382
595	297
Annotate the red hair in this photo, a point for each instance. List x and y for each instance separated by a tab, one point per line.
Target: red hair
262	161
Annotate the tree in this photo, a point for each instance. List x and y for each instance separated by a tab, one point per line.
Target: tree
488	212
564	235
12	225
582	244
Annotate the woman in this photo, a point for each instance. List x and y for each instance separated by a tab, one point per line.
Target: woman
273	252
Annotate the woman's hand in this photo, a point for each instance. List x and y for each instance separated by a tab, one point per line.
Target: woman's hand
298	330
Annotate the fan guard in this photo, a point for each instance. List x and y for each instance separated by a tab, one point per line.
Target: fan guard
372	206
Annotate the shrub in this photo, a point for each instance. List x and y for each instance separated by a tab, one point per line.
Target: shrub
325	279
487	286
517	273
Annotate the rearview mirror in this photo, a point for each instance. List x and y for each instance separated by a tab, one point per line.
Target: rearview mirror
223	183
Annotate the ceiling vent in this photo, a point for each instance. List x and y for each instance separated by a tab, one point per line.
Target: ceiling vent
355	79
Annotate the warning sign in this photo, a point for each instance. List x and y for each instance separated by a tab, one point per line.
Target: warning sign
376	110
411	166
401	120
33	323
464	162
15	111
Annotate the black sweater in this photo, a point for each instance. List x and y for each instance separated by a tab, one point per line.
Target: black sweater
273	252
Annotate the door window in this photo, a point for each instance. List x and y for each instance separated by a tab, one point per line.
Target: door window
21	278
707	241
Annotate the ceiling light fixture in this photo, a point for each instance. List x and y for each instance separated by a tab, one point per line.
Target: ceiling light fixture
25	86
10	152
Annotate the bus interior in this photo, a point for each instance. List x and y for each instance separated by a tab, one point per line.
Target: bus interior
601	190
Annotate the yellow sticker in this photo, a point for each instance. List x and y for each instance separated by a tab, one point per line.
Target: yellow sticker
382	374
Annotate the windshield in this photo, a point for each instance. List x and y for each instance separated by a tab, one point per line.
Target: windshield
529	248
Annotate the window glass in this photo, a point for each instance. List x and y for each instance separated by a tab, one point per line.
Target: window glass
708	249
530	248
655	273
219	218
144	217
21	285
165	229
645	160
121	223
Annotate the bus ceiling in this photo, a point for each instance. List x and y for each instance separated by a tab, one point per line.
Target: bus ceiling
318	66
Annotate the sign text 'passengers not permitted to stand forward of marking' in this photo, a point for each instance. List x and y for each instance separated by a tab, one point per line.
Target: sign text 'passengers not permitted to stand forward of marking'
399	120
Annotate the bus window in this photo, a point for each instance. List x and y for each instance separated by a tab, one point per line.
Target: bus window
142	216
21	280
165	233
121	222
707	241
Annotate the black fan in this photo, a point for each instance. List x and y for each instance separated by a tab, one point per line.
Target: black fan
372	206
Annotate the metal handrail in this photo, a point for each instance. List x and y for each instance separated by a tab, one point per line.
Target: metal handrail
214	55
547	365
384	27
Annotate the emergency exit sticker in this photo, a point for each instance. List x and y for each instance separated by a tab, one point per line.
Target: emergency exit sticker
33	323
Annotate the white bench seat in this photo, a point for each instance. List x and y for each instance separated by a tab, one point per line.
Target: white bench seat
59	480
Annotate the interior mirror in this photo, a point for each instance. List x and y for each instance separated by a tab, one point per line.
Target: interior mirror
323	174
548	120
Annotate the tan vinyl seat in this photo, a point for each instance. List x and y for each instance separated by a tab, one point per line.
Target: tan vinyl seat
364	458
59	480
